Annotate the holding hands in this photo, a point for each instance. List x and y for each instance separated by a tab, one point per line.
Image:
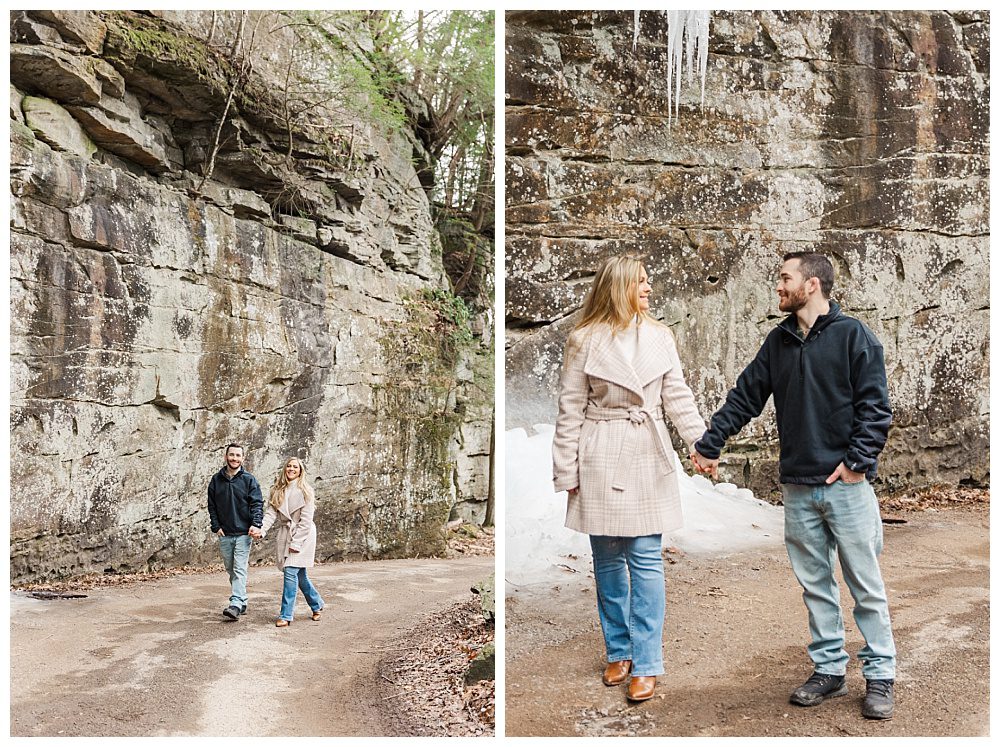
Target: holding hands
256	533
705	466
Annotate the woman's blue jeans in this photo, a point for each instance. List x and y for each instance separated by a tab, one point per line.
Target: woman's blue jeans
822	523
631	600
296	577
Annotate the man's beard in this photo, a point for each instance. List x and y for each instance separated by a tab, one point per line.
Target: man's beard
792	302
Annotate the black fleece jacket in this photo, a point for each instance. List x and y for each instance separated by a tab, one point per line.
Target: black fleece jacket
830	396
235	503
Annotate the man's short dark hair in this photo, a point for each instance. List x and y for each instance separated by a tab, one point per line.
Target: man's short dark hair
814	265
234	446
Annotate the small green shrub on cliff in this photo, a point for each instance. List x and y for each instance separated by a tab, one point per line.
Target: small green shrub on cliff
431	339
454	321
422	353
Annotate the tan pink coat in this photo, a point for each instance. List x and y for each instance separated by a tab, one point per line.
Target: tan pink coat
611	441
294	528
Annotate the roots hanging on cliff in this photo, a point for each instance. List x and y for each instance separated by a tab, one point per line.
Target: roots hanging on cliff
243	68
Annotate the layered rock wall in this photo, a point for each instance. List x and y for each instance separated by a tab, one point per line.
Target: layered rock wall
863	135
280	304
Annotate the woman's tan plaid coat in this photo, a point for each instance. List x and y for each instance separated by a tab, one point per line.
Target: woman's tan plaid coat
611	441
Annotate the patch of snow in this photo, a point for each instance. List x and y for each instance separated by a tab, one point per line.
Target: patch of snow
718	519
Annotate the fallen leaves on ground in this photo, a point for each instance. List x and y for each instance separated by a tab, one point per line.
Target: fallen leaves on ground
470	540
423	685
113	580
479	699
713	591
936	497
670	554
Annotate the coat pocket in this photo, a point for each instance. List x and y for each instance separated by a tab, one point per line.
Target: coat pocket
668	447
596	460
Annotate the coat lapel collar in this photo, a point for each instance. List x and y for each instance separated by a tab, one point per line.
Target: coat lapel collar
606	360
655	355
292	503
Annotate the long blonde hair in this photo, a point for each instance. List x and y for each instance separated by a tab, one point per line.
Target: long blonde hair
613	299
277	497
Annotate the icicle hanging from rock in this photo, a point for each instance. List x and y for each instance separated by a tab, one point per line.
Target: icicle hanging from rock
702	17
687	36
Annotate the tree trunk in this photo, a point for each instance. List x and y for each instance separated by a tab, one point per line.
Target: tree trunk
483	205
456	158
418	74
491	494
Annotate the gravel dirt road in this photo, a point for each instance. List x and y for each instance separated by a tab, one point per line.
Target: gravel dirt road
735	639
159	659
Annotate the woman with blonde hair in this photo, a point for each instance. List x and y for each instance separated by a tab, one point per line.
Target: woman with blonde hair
291	507
621	374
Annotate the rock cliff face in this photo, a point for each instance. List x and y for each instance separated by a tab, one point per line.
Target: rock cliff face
285	304
863	135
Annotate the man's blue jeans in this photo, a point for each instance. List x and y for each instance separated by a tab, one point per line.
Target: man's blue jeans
841	519
296	577
235	552
631	600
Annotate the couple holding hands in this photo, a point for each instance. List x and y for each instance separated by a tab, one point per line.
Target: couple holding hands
236	511
622	374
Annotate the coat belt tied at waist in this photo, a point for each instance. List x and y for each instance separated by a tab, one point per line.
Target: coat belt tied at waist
639	417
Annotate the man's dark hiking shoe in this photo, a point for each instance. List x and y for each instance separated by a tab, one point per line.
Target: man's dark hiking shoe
878	700
232	612
818	688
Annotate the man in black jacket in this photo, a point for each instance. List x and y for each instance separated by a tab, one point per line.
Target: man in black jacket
827	375
236	510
